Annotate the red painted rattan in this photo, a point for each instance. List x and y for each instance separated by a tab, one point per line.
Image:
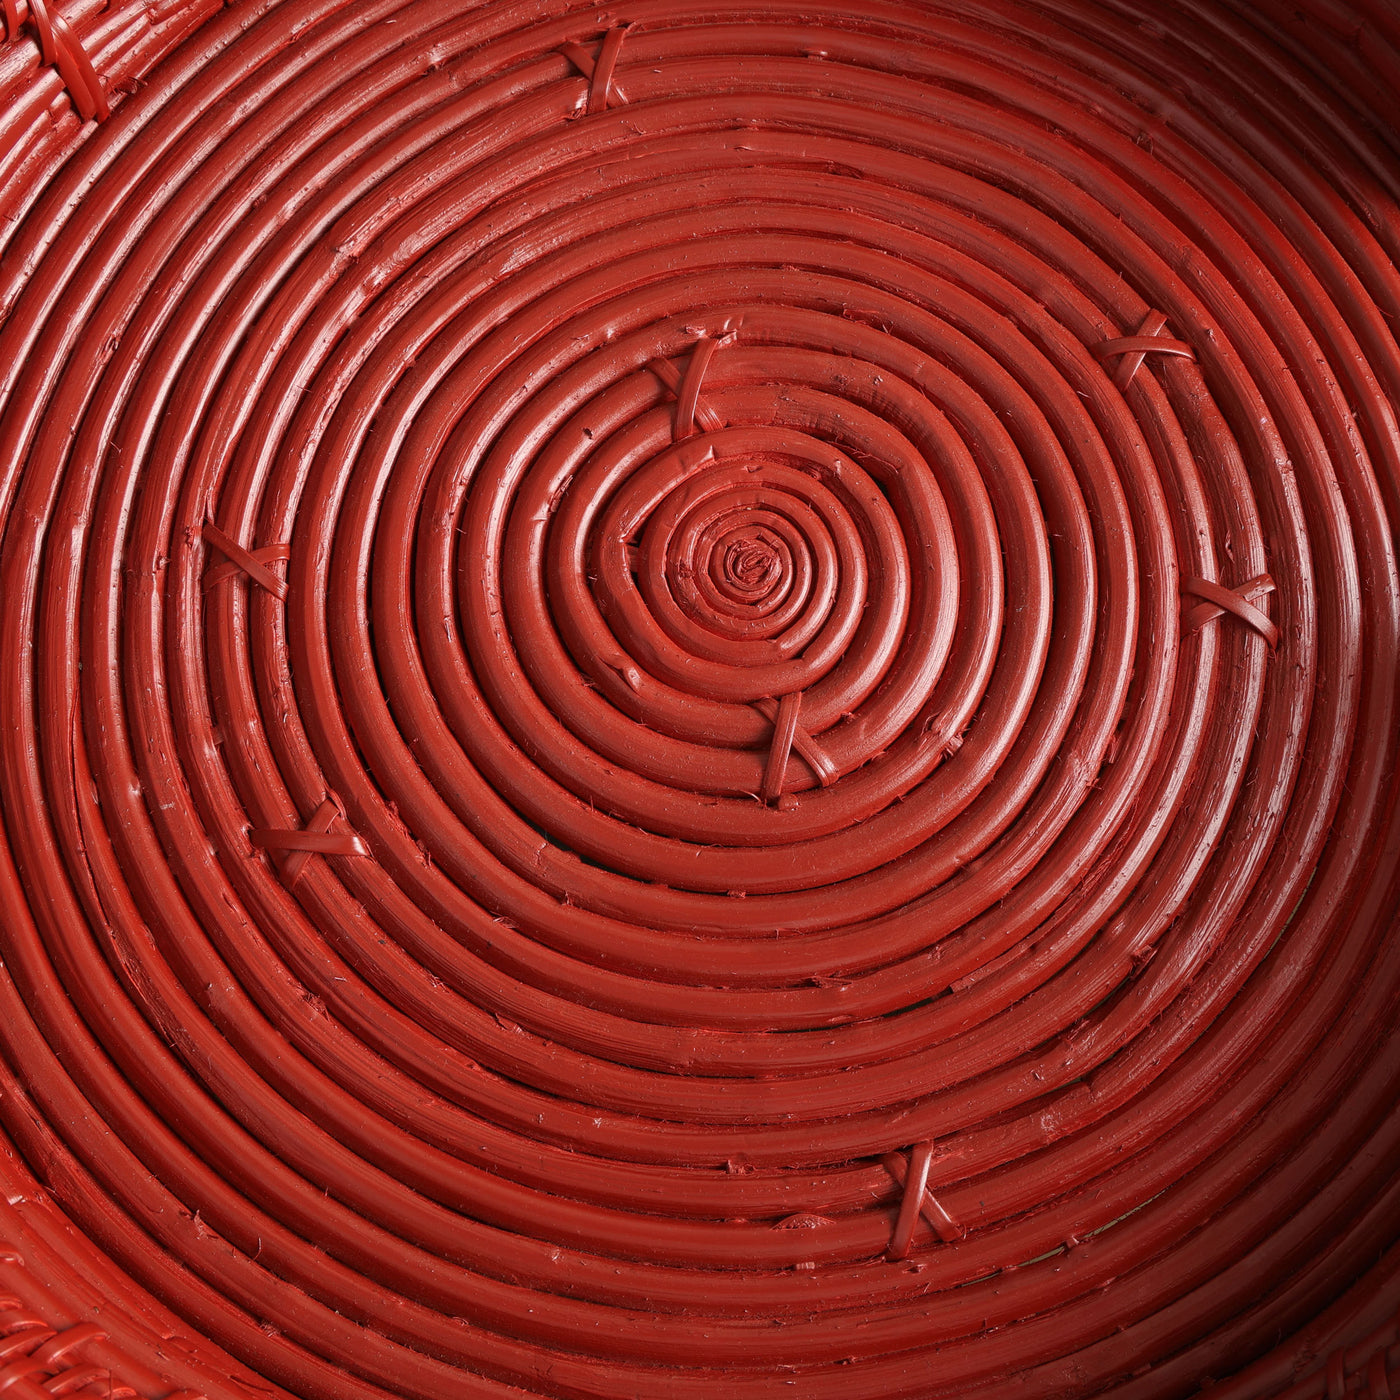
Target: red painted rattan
699	699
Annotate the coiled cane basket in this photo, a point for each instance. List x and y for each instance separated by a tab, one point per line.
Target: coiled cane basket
699	699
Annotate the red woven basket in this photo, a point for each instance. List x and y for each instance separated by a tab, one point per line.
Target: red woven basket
699	699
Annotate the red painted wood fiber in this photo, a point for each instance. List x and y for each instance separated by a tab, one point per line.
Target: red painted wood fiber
699	699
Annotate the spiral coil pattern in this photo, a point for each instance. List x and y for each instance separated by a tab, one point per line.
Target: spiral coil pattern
703	697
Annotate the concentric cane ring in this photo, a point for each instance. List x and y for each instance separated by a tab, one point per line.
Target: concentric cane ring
699	699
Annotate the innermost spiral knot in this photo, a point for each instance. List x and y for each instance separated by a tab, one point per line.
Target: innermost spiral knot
731	572
750	566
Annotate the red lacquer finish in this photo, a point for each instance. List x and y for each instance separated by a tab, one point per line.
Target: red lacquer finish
699	699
